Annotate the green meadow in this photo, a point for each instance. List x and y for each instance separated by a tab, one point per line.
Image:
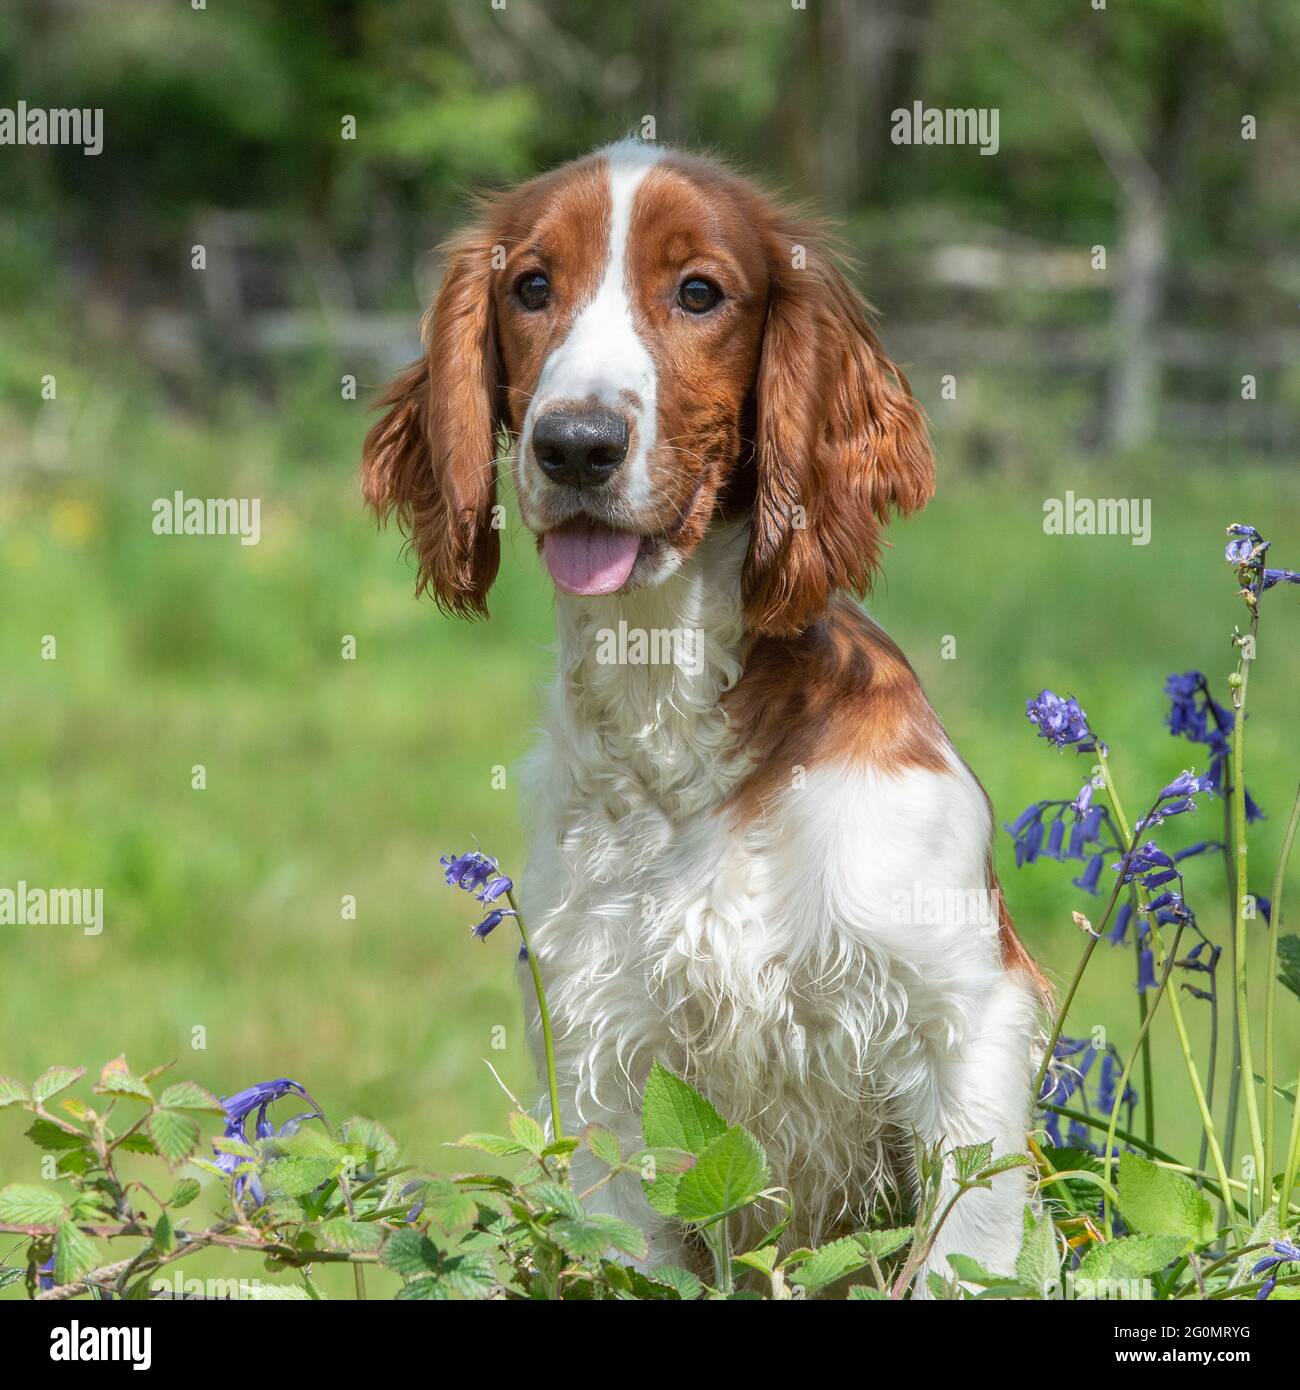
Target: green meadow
226	946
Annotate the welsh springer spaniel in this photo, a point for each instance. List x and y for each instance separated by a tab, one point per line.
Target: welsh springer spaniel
765	866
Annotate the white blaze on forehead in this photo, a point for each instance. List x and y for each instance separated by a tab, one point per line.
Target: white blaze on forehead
603	356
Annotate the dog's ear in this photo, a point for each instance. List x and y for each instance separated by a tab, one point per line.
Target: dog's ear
431	459
840	443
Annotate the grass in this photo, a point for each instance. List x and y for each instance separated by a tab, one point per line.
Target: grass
328	777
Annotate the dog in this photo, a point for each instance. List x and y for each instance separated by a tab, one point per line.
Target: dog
765	867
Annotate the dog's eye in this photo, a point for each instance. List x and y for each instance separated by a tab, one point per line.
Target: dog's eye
698	296
533	290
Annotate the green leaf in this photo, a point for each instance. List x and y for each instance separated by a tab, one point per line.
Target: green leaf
116	1080
829	1263
1288	954
591	1236
860	1292
184	1192
470	1276
74	1253
56	1079
239	1148
164	1237
604	1144
9	1274
176	1135
408	1252
558	1148
374	1136
1004	1165
675	1115
452	1207
1132	1257
342	1234
187	1095
970	1159
12	1092
1039	1261
527	1132
730	1172
423	1290
25	1204
45	1134
1156	1202
294	1177
688	1285
491	1144
763	1259
556	1197
137	1143
882	1244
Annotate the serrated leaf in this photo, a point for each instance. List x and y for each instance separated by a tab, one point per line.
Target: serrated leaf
12	1092
1005	1164
176	1135
561	1148
294	1177
591	1236
558	1198
864	1292
1039	1261
971	1271
762	1259
341	1234
25	1204
74	1254
1156	1202
56	1079
238	1148
116	1080
604	1144
425	1290
884	1243
1132	1257
259	1292
675	1115
45	1134
408	1253
491	1144
373	1136
527	1132
729	1173
829	1263
970	1159
9	1275
469	1276
688	1285
137	1143
183	1193
452	1207
188	1095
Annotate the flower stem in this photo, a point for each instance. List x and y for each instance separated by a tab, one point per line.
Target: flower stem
1239	907
1175	1008
544	1013
1289	1169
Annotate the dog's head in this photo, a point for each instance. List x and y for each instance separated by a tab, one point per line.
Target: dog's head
666	345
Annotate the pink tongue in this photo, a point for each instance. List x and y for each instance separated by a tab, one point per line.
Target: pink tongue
590	559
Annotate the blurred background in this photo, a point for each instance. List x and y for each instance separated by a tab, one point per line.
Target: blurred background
1113	299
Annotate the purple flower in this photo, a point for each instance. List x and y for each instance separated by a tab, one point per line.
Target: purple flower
481	876
1087	880
240	1106
1119	931
1060	722
1146	971
1081	802
1284	1252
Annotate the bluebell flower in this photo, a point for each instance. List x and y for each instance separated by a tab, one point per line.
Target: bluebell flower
482	877
1146	971
1087	880
1060	722
1284	1252
239	1107
1119	930
1271	577
1081	802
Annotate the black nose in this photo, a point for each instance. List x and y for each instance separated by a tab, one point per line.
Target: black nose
580	448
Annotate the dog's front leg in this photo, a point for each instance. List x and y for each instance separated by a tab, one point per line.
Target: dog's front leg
980	1092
